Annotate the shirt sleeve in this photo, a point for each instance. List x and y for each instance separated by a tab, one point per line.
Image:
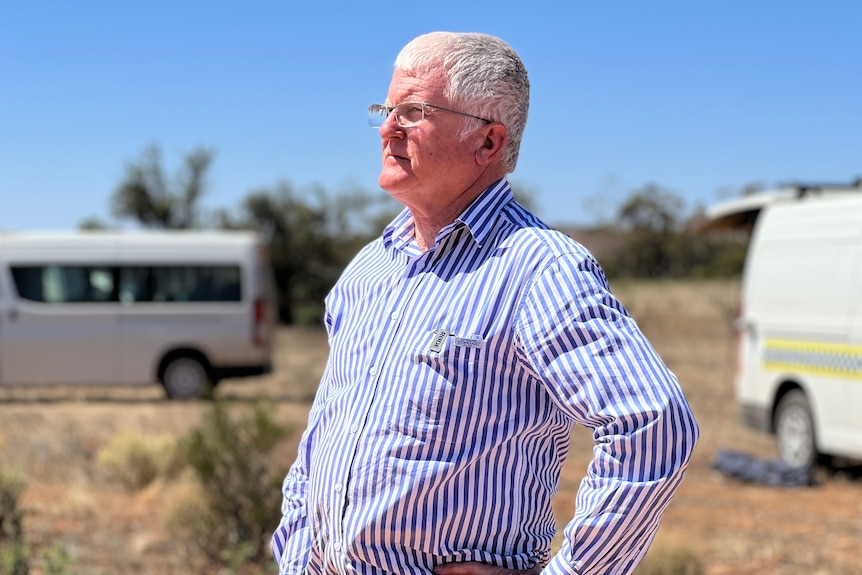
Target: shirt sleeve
603	373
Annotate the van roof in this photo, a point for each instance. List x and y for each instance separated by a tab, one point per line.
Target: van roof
741	213
125	235
213	239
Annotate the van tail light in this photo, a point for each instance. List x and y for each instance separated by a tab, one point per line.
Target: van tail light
260	328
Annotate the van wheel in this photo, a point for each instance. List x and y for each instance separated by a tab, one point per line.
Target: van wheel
794	430
185	378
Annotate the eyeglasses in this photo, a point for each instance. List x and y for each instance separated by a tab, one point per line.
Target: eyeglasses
408	114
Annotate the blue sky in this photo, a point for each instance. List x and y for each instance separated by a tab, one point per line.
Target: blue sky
701	98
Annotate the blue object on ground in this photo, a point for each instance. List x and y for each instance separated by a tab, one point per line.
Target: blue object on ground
764	471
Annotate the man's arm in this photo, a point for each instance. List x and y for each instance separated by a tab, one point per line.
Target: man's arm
600	369
292	541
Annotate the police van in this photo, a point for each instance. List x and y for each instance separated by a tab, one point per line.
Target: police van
799	372
184	309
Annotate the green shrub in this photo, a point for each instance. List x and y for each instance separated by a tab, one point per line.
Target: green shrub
192	523
137	460
14	553
241	495
12	484
14	559
56	560
678	561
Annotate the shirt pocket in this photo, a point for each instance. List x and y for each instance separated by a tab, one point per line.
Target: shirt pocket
428	402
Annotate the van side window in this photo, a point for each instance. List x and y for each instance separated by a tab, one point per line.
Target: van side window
136	283
64	284
180	284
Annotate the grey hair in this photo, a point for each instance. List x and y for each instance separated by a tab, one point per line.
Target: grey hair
484	77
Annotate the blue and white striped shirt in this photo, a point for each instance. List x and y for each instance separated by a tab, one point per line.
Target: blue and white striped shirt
444	413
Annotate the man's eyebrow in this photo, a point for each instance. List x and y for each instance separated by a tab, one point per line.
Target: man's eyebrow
409	96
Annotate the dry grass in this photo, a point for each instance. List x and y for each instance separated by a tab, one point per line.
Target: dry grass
55	434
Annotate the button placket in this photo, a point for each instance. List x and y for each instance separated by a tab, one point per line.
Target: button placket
387	335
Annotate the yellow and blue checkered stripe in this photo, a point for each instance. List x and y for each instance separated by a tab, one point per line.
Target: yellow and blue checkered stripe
830	359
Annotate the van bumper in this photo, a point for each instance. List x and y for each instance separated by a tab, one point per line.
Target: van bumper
219	373
756	417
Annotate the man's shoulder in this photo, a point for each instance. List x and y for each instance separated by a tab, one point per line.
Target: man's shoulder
531	232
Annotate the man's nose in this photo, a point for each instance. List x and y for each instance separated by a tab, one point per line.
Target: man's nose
390	128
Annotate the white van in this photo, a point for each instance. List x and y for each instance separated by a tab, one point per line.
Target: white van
799	370
186	309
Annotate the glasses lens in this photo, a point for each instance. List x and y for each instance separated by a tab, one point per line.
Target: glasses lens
377	114
409	114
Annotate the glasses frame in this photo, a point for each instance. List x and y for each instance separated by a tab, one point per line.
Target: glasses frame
389	109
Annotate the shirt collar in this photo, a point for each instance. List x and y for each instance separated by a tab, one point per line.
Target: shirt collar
478	217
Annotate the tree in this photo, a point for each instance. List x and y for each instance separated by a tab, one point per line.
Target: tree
650	219
311	238
651	209
147	196
92	224
656	242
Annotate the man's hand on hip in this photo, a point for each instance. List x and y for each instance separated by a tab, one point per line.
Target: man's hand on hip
475	568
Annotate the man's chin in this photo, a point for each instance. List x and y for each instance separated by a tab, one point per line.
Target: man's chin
393	183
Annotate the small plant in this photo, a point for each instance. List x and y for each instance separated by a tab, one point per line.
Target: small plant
241	497
677	561
14	554
56	560
14	559
137	460
235	557
12	483
192	524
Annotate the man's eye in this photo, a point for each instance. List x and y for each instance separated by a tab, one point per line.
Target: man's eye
411	110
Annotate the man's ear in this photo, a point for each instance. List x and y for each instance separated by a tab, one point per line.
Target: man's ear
492	143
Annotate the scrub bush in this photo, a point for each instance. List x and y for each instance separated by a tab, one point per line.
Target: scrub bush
14	559
14	552
12	483
137	460
240	491
56	561
677	561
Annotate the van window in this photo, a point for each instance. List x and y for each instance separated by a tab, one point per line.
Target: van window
64	284
179	283
137	283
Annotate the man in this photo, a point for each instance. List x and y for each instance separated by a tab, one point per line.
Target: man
464	344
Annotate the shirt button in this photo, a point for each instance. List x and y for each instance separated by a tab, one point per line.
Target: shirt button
354	428
394	315
337	487
373	370
336	546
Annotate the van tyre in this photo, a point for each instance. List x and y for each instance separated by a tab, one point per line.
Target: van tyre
185	377
794	430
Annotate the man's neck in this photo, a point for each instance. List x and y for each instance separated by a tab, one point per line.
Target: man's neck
428	223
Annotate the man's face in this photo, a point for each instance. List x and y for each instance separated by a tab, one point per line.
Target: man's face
425	167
